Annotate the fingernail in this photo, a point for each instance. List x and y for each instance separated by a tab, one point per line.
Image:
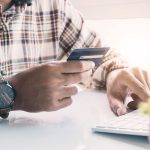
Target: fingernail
121	111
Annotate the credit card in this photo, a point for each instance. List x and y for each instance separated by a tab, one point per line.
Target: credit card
92	54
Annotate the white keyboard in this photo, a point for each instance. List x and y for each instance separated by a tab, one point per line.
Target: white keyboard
133	123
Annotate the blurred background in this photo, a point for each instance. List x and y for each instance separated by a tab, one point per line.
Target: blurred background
122	24
113	9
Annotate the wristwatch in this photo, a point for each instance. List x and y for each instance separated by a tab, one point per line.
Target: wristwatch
7	96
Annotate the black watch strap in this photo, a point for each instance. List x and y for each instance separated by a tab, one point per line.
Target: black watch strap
7	96
4	113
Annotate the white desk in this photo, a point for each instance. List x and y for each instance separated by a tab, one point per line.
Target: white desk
67	129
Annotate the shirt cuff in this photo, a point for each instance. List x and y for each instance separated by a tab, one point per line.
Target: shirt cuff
112	60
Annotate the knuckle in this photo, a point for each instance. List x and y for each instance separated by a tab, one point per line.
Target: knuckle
67	79
74	90
124	73
53	82
147	95
144	72
80	77
81	66
53	106
68	101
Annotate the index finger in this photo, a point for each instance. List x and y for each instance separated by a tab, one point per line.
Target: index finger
136	86
76	66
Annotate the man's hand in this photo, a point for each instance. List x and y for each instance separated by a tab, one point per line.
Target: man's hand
49	87
132	82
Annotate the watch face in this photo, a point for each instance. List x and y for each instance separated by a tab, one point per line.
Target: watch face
7	95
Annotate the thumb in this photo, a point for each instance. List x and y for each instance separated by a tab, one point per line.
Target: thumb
117	106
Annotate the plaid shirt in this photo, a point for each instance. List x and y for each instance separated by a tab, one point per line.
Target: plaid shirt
47	31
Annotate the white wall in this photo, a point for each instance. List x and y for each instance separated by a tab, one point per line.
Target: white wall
130	36
122	24
113	9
